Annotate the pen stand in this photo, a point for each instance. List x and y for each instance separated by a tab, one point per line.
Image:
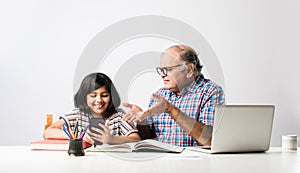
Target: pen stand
75	147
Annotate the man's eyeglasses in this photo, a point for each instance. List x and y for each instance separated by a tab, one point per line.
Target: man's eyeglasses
164	70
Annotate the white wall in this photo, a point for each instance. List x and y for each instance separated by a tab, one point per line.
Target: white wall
256	42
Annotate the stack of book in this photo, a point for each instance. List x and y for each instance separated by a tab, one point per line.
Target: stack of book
53	145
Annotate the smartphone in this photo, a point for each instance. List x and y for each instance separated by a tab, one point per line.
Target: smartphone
94	122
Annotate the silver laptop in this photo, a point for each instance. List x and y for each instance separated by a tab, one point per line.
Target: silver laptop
241	128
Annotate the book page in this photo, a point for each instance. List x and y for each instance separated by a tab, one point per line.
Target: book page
156	146
148	145
127	147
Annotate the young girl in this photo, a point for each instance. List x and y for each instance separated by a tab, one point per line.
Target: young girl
97	97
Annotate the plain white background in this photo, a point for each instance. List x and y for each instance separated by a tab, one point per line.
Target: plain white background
256	42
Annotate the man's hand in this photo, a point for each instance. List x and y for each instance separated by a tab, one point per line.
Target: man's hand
159	107
136	114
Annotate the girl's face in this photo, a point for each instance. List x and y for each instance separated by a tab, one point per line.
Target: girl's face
98	101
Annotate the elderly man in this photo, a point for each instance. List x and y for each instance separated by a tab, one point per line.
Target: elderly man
182	112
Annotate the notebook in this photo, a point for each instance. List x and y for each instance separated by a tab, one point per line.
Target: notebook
240	128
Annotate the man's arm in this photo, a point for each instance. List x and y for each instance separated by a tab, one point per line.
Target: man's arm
199	131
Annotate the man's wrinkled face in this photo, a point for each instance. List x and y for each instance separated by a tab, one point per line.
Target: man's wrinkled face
175	74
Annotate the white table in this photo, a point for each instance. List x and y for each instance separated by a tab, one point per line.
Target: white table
22	159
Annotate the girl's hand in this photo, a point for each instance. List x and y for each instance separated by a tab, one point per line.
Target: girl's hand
104	135
87	138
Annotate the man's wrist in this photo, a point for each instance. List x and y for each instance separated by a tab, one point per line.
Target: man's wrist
169	108
173	111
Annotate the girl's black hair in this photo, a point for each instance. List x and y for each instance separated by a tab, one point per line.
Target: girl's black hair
91	83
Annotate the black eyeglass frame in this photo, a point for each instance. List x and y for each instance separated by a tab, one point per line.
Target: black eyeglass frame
164	70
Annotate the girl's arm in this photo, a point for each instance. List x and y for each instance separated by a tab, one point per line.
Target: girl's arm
55	131
133	137
106	138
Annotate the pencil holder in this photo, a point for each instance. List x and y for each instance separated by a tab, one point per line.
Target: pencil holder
76	147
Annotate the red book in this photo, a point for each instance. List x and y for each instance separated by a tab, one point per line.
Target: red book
54	145
50	144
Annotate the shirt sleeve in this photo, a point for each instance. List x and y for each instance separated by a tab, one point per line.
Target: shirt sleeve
149	119
127	128
215	96
72	117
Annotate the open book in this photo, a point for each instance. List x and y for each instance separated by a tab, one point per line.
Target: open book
148	145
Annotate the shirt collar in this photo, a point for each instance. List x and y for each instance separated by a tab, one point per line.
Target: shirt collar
192	87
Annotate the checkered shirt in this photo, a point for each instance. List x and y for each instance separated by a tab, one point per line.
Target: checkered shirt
198	101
